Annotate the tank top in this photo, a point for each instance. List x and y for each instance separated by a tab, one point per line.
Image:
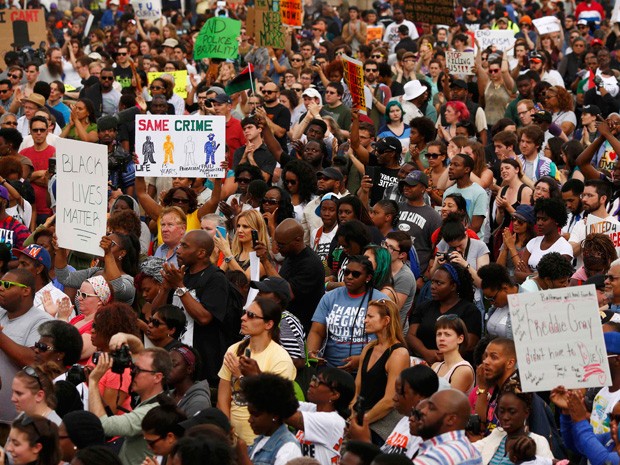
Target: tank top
496	100
448	376
374	380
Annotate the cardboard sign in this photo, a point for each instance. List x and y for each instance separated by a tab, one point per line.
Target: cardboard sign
430	11
547	24
374	33
354	77
191	146
598	225
218	39
460	62
268	29
559	339
180	81
19	29
502	39
81	195
147	9
291	12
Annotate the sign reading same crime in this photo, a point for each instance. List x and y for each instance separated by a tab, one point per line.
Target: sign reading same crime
187	146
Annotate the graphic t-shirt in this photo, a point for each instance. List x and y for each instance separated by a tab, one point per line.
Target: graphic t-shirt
401	441
322	243
13	233
604	402
419	223
323	434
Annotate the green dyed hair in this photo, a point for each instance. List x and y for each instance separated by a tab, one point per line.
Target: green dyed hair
383	271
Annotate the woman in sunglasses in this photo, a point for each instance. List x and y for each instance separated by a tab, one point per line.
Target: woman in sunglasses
33	394
33	440
494	86
259	352
276	206
59	344
166	326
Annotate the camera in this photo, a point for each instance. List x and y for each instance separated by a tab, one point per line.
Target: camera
31	55
76	375
598	81
445	256
121	359
474	426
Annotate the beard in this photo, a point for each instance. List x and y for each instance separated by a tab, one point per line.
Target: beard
54	68
428	431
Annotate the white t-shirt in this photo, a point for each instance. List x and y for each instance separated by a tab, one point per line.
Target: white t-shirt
401	441
604	402
288	451
533	247
323	434
578	234
322	247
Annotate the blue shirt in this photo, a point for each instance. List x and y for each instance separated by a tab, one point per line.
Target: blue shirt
448	449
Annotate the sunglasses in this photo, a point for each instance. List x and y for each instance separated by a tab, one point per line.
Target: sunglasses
14	76
43	347
296	59
38	130
121	54
297	89
156	88
492	299
154	322
177	200
316	381
106	78
252	315
494	71
270	201
291	182
4	91
84	295
269	92
448	317
376	56
10	284
433	156
10	123
243	180
355	274
30	371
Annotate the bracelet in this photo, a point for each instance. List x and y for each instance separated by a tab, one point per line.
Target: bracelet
515	255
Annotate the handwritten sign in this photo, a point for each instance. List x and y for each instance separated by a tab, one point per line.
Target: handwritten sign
180	81
547	24
81	195
291	12
218	39
354	78
501	39
188	146
559	339
460	62
430	11
147	9
596	225
268	29
374	33
19	29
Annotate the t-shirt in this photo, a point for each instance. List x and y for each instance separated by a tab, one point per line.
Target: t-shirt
341	114
476	199
419	223
322	246
13	233
343	315
281	116
533	247
234	137
579	231
604	402
401	441
110	102
323	434
292	336
123	76
274	359
382	178
23	331
405	283
40	161
263	157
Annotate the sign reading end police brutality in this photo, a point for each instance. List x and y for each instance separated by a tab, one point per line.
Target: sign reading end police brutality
559	339
187	146
81	195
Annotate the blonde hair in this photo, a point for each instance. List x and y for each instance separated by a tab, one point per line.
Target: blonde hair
388	308
176	211
256	222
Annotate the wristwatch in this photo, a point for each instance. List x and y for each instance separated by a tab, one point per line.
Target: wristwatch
180	291
228	259
479	391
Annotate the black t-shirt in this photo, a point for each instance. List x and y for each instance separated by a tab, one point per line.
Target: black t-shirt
281	116
306	275
123	76
382	178
426	315
263	157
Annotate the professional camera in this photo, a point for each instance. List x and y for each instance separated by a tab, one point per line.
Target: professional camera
76	375
31	55
121	359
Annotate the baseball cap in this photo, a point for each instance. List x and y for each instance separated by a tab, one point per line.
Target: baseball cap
525	20
38	254
208	416
525	213
273	284
215	89
542	116
413	179
596	42
328	196
582	22
388	144
459	83
312	93
170	42
332	173
591	110
4	193
221	98
612	342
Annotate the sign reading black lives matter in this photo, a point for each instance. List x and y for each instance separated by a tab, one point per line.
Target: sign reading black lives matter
81	195
430	11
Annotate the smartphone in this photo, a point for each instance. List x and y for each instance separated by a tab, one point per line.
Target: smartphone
359	410
221	230
51	165
254	238
247	352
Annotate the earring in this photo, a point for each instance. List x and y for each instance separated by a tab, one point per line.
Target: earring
273	419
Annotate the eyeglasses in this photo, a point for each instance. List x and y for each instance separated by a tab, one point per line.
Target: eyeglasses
122	54
152	442
30	371
432	156
43	347
316	381
376	56
354	273
14	76
390	247
492	299
10	123
371	70
270	201
296	59
154	322
83	295
38	130
178	200
611	277
136	370
494	70
252	315
292	182
156	88
298	89
10	284
269	92
330	92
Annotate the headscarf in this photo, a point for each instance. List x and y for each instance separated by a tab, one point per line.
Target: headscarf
151	267
101	287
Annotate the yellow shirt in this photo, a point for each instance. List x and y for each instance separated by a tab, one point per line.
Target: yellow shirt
193	222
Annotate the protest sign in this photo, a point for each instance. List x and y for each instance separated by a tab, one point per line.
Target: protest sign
19	29
180	81
460	62
615	13
374	33
268	29
191	146
147	9
354	77
501	39
547	24
81	195
291	12
430	11
596	225
559	339
218	39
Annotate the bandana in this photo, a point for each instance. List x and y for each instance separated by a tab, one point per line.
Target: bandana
101	287
187	355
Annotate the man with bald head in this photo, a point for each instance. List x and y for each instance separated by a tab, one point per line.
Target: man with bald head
201	289
441	424
302	268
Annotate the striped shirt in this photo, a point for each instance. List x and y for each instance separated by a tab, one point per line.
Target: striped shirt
452	448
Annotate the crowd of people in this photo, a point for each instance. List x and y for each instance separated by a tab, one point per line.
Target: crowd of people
341	295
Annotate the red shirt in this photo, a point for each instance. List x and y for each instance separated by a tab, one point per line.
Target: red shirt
234	138
40	160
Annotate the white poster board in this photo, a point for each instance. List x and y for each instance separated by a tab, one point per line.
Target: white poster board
147	9
502	39
615	13
594	224
547	24
460	62
559	339
81	195
191	146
